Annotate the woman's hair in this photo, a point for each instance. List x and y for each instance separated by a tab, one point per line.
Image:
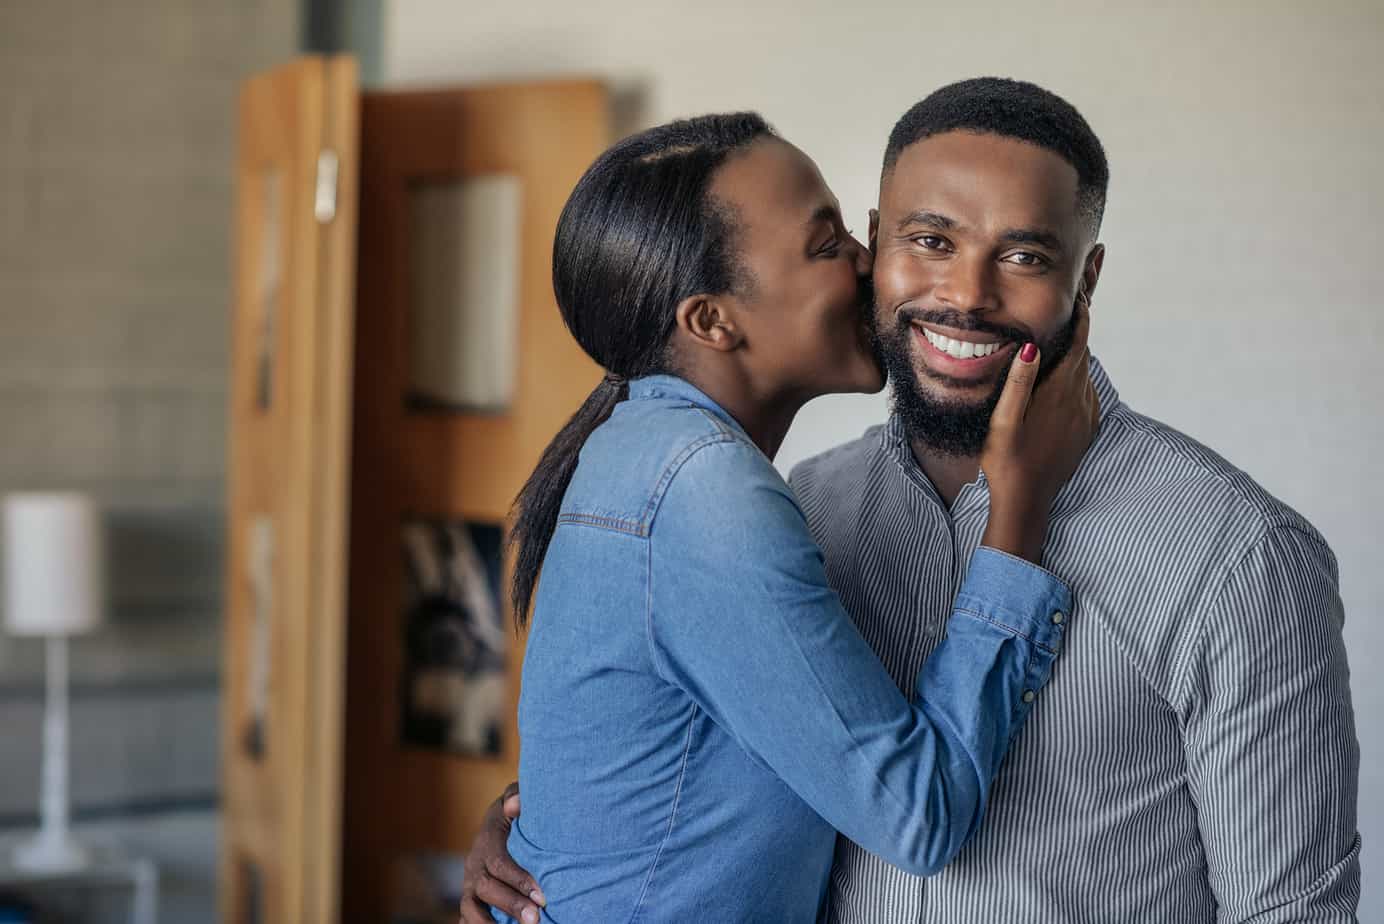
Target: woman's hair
639	234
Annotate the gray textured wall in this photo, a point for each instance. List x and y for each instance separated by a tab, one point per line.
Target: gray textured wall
117	134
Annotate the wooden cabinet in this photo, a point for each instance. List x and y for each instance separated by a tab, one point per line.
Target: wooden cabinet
369	702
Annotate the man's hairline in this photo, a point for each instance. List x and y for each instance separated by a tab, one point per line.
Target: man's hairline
1093	222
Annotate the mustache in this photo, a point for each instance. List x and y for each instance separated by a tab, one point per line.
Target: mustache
961	320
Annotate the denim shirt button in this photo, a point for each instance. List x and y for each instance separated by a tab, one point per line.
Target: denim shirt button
1029	696
1058	617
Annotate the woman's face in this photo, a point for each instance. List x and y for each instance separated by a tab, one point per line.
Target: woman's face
804	309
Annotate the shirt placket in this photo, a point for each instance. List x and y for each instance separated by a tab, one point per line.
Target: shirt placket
968	515
933	518
965	524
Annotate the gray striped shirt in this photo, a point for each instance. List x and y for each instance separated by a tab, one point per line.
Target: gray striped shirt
1194	757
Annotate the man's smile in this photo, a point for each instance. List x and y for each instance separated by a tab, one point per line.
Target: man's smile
961	354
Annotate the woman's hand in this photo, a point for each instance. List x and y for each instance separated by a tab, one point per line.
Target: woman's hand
1036	440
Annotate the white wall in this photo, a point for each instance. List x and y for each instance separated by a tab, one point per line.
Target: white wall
1241	295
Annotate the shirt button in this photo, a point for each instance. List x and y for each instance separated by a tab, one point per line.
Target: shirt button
1029	696
1058	617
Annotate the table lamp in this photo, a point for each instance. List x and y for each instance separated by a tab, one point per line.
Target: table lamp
53	588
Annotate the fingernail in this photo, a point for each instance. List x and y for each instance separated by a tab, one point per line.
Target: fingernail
1028	352
538	898
530	916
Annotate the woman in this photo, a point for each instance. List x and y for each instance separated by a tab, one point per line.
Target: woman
695	700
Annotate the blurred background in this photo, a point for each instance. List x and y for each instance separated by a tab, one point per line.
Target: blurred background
1240	301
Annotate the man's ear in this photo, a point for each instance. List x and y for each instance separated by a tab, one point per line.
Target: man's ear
709	321
1090	273
874	232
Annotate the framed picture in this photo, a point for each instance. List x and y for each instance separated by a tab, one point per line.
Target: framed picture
455	684
464	235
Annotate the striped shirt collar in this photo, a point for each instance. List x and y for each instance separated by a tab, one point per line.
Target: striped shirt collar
893	436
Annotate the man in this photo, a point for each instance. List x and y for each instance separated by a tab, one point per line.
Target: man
1194	756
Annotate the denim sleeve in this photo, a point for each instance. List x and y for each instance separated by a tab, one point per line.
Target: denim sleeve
741	617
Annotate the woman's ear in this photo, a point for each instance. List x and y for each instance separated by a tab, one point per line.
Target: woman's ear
709	321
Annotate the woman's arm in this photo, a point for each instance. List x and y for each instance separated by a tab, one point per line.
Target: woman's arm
742	618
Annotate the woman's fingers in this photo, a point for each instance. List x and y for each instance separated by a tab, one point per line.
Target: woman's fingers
499	882
513	877
1018	389
502	884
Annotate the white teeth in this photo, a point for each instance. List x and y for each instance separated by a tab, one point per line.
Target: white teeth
960	349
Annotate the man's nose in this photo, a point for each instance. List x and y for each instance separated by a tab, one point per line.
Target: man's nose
966	284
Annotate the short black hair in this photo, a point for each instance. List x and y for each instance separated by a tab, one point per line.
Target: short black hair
1011	109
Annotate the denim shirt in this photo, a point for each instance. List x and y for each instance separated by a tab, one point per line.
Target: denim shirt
699	716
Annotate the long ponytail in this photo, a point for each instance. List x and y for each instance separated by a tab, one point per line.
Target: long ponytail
639	234
536	509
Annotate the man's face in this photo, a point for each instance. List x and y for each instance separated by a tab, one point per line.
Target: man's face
979	247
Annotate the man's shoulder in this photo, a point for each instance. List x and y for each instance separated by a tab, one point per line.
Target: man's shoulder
1156	464
845	461
837	475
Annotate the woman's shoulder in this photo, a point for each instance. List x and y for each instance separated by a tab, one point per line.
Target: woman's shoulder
719	484
632	461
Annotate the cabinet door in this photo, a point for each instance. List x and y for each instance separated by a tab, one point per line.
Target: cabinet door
287	512
464	371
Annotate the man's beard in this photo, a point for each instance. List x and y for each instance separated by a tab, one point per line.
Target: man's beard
952	426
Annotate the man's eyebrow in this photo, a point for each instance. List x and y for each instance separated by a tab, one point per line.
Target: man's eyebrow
1032	236
927	219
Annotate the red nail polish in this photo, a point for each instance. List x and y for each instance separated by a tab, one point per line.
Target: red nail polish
1028	352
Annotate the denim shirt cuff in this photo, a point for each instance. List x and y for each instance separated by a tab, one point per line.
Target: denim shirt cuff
1020	596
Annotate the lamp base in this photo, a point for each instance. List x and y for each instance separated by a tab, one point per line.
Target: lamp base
47	854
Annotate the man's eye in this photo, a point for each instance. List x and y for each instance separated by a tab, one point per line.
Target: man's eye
931	242
1025	258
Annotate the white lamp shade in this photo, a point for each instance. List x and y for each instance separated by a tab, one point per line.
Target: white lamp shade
54	564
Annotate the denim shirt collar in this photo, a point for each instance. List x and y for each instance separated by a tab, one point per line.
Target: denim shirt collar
679	389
